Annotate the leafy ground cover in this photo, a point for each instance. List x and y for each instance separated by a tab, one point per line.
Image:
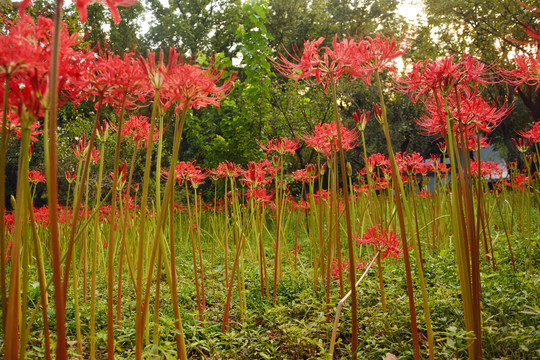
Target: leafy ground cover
298	327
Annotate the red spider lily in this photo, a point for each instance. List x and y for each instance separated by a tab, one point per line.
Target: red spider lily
324	138
473	112
36	177
81	149
361	119
26	60
122	175
226	169
281	146
423	168
260	195
13	125
258	173
438	77
527	71
521	145
115	78
475	142
70	176
532	134
384	51
360	264
346	56
138	128
377	160
321	195
157	73
520	181
103	131
386	242
441	168
191	84
112	4
306	65
190	173
356	58
408	162
489	169
304	175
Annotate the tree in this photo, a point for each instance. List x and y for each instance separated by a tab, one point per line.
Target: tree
195	26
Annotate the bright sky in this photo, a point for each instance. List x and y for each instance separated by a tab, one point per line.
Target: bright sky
410	9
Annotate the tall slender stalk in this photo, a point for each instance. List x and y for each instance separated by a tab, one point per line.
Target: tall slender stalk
51	168
97	239
14	320
397	196
111	245
142	307
352	260
4	136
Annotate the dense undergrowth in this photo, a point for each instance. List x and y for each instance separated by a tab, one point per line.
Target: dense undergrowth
298	327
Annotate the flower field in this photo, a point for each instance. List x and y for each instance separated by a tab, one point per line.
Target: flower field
137	252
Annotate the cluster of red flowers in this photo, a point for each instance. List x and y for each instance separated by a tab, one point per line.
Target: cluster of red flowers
386	242
352	57
325	138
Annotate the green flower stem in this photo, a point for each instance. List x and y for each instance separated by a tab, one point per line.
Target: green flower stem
14	320
51	168
4	141
142	307
200	306
396	181
352	260
42	282
111	244
123	244
97	239
80	187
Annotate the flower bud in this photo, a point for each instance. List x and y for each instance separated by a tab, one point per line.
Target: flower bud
378	112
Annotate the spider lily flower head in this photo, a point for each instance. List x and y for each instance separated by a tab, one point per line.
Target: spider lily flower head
226	169
122	176
428	78
353	57
488	169
527	71
192	86
324	138
260	195
112	4
281	146
157	72
304	175
70	176
361	119
311	170
137	128
386	242
478	141
189	173
103	131
378	112
384	50
522	144
258	173
442	147
114	79
532	134
36	177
